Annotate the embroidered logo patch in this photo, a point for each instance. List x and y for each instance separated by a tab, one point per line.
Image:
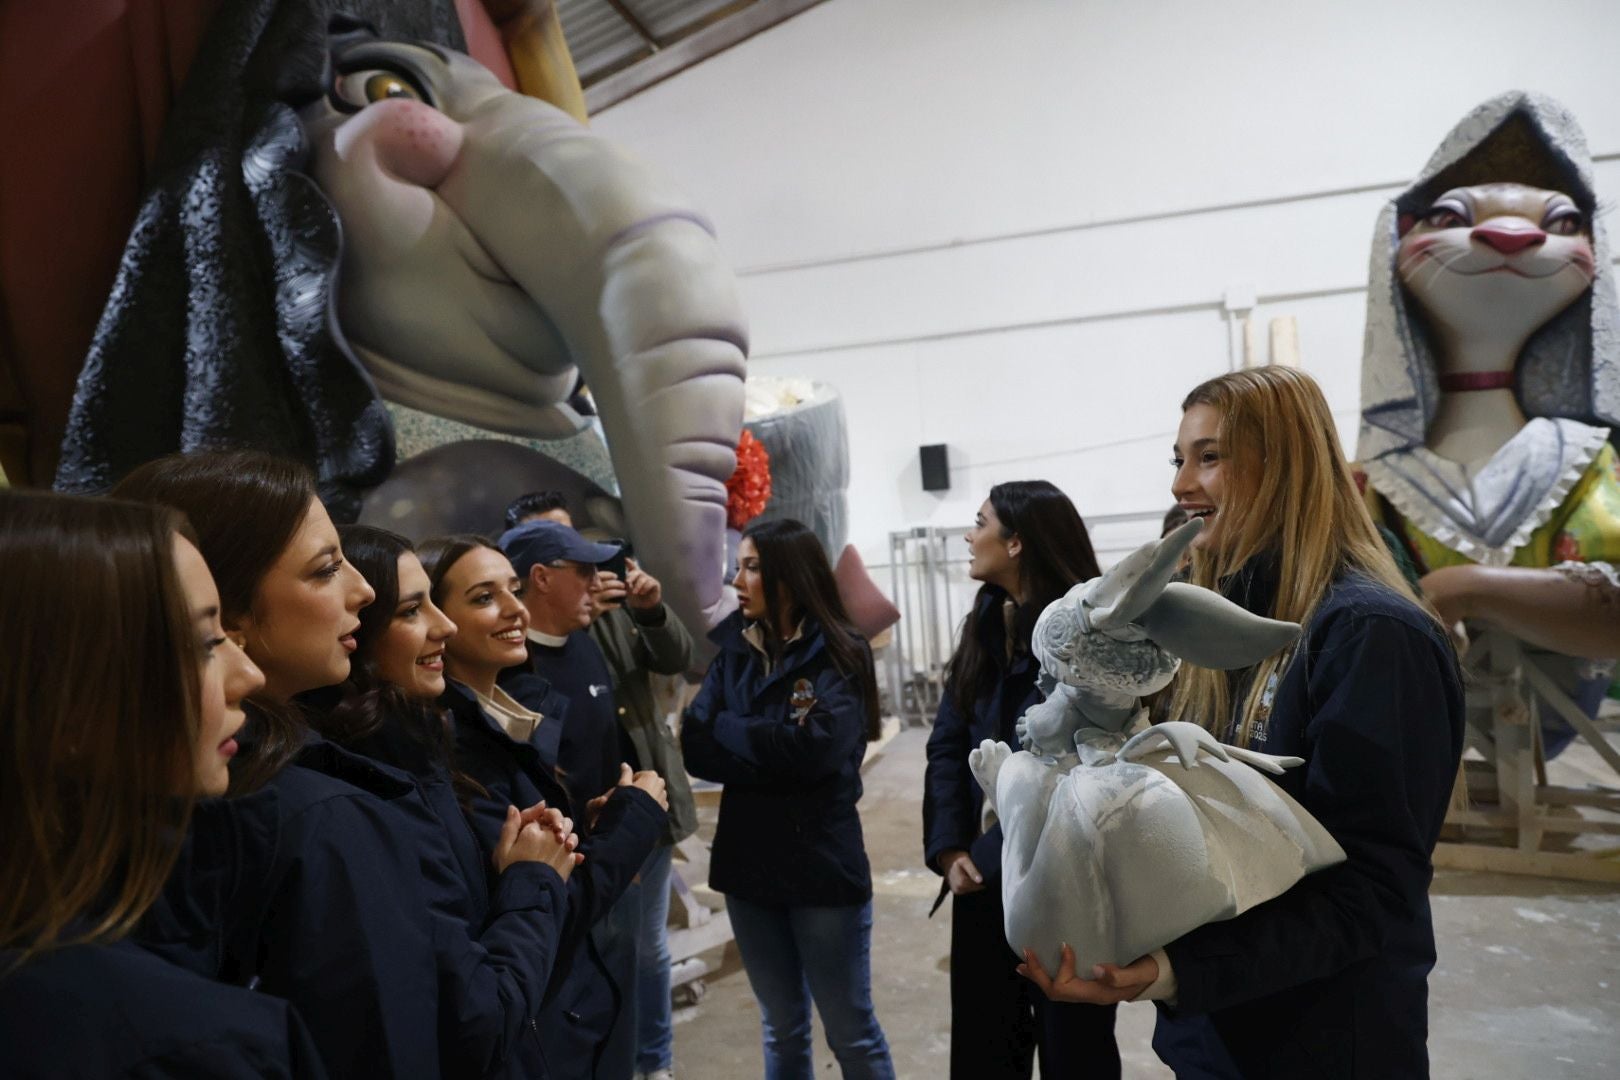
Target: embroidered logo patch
803	700
1262	714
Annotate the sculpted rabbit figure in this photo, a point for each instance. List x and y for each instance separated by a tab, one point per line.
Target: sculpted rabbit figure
1120	836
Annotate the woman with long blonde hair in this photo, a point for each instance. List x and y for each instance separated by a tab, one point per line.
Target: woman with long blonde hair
1331	978
1264	440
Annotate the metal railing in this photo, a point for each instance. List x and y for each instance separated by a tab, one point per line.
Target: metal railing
931	587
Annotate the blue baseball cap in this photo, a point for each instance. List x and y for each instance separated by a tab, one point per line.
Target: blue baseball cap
536	542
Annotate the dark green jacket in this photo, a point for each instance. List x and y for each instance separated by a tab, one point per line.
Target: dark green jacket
636	644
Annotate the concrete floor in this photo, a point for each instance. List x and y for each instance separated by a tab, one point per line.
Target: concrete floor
1528	983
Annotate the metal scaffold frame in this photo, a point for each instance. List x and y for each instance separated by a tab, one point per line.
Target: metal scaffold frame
920	571
928	574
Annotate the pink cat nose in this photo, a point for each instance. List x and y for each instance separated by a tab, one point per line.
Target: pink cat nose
1508	241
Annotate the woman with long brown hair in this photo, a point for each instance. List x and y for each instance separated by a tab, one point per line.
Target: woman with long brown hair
509	752
119	700
782	719
1331	978
1028	546
356	919
388	711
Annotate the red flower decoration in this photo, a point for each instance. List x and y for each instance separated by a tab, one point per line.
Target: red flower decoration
1566	548
749	488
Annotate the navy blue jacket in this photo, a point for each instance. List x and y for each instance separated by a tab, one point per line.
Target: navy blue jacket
588	744
97	1011
952	800
788	833
1331	978
581	1000
310	887
495	941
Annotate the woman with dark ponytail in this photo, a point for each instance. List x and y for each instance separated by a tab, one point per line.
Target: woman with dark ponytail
1028	546
783	719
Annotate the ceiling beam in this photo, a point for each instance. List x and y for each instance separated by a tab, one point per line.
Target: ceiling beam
690	50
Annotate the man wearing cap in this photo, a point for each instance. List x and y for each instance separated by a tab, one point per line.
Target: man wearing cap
640	637
558	568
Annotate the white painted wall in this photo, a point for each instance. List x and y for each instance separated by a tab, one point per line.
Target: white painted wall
1008	225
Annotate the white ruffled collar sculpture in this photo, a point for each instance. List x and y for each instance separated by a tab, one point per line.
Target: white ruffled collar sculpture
1120	836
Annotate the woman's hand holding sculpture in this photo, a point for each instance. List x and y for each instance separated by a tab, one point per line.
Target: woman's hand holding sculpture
1109	984
1099	820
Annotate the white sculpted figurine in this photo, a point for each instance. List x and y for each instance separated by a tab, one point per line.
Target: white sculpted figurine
1120	836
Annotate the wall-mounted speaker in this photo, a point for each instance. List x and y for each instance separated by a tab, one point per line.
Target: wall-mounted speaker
936	467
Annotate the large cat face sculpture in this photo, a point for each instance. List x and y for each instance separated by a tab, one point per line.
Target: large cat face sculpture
1495	260
1497	244
494	249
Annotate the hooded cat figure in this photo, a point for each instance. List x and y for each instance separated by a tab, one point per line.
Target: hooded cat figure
1491	375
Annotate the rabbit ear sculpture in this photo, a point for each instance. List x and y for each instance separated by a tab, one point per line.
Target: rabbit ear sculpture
1120	836
1123	635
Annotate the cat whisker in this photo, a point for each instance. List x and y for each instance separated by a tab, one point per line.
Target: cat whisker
1441	264
1406	264
1412	262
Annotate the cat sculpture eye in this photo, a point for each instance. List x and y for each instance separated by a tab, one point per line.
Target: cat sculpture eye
1446	215
1563	221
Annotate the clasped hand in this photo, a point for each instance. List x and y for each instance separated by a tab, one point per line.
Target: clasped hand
538	834
647	780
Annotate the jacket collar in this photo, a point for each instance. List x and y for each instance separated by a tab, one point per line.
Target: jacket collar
804	647
469	715
330	759
224	862
732	635
1253	587
995	632
464	707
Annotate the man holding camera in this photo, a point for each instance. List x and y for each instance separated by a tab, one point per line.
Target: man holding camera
637	636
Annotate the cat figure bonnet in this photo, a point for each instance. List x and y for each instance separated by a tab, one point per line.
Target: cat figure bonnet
1120	836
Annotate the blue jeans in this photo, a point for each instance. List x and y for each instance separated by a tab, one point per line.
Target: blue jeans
655	1038
794	955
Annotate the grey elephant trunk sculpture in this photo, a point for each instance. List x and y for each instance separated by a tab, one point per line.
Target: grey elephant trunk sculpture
496	251
1119	836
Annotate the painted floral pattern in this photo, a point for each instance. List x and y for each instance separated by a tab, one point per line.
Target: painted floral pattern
1585	528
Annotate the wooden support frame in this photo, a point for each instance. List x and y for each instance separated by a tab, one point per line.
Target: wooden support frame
1507	794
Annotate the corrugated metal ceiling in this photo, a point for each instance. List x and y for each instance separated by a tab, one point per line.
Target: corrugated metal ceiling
606	36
